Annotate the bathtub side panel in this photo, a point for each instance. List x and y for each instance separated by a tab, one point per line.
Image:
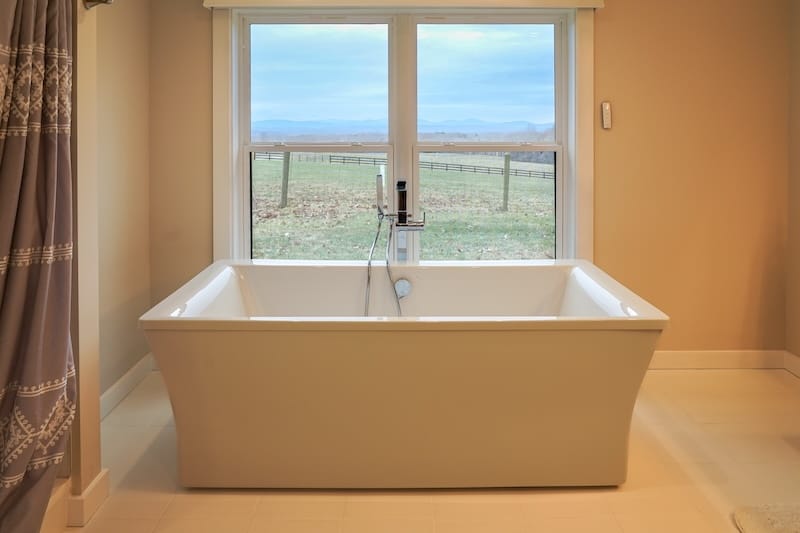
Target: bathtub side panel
361	409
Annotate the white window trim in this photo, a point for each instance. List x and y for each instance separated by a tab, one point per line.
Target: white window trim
413	4
231	201
227	216
582	115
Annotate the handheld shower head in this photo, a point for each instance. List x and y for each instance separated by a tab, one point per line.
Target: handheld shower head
379	191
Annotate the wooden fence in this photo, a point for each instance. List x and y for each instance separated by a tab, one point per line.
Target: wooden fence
430	165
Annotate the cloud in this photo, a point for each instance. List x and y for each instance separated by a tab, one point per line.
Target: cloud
492	72
333	71
320	71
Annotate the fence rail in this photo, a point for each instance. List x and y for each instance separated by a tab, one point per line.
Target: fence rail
430	165
357	160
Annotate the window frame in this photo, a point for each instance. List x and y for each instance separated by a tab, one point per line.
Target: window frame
574	117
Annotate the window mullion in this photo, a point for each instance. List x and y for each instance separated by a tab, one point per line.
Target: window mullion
403	114
402	94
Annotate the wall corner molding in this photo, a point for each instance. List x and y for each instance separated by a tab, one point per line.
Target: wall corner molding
81	507
791	362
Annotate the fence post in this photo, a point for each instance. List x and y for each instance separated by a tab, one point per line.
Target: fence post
506	175
287	156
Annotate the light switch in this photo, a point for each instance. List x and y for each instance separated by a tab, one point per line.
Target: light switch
605	111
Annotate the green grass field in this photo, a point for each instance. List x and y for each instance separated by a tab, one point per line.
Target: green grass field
331	211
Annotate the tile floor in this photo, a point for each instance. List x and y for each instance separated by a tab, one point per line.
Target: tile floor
702	442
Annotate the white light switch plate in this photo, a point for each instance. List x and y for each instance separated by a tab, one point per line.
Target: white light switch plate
605	109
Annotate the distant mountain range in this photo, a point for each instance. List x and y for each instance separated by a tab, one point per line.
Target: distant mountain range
291	128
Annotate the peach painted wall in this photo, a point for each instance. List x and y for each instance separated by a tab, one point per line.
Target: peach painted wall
180	142
691	182
793	269
123	183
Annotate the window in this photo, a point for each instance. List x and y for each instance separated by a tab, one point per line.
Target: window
488	205
480	85
474	112
318	95
318	83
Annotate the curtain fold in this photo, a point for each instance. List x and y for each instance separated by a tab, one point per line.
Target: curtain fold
37	375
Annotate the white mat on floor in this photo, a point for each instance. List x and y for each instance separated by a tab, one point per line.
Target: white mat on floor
768	519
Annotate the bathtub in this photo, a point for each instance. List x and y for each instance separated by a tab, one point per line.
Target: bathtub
507	374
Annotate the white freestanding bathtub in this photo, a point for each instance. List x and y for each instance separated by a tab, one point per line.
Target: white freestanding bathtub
498	374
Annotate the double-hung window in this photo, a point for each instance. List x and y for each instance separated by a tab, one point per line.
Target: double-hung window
472	112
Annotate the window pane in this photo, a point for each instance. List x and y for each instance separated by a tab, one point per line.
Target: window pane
486	82
319	82
324	207
475	210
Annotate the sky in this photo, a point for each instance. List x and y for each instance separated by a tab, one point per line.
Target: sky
495	73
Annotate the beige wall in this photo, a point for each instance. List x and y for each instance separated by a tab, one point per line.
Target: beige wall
793	270
691	183
180	142
123	184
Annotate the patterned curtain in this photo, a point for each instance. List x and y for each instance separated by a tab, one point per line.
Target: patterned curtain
37	376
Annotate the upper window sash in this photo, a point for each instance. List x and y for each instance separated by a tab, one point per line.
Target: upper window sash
559	19
249	19
399	45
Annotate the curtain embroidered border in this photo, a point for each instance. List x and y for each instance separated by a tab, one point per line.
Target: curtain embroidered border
17	434
42	255
36	90
37	390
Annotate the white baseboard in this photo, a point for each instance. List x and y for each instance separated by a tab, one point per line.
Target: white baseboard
719	359
81	508
791	362
124	385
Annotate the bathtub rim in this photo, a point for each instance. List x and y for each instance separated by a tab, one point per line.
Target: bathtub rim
432	323
159	316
